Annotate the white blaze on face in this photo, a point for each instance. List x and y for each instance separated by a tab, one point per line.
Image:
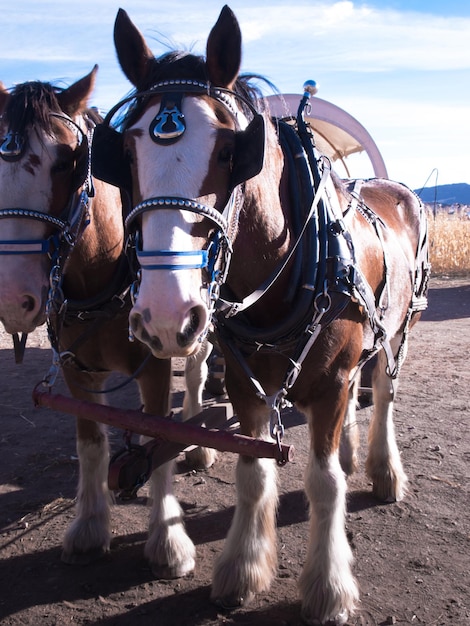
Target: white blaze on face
169	302
24	278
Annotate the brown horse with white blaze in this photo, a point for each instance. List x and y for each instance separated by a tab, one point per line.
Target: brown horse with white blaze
239	222
63	260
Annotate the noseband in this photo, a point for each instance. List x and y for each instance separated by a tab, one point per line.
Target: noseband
215	259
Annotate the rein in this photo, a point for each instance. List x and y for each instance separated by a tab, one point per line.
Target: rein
331	244
94	312
231	308
333	281
57	246
61	310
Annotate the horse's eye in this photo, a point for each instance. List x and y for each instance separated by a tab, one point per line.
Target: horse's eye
61	166
225	156
128	156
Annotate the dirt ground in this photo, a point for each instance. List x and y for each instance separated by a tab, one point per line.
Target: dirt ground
411	558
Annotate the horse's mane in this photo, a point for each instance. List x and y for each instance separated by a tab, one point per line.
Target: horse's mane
31	104
94	115
179	64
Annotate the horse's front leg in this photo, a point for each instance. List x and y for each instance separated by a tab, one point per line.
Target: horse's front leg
195	372
350	433
383	464
169	550
327	587
248	562
88	536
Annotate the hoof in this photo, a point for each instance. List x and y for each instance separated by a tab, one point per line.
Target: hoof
389	491
215	381
233	603
384	498
200	458
170	572
339	620
83	558
349	465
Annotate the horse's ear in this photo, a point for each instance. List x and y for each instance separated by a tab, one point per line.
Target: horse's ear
224	50
75	98
133	54
4	95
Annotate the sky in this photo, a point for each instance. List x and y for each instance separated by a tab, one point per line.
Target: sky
400	67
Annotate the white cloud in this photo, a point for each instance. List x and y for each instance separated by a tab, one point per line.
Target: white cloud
414	137
395	71
360	38
343	35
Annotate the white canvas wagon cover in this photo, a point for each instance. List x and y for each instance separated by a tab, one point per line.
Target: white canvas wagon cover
337	133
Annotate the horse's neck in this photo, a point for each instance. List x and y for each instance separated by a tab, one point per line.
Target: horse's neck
95	258
265	198
265	231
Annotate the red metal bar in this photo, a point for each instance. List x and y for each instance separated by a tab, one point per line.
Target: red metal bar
155	426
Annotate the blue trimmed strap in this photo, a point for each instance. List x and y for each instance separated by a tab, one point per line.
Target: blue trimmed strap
172	260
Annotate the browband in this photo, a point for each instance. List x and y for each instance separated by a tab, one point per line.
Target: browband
187	86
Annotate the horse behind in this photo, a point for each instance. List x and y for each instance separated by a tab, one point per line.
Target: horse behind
239	222
63	261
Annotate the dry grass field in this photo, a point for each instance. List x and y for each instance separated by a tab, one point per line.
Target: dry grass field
449	239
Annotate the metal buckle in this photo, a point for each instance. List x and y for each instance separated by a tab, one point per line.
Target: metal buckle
12	147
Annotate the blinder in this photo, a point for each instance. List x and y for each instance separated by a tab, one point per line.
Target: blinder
82	152
14	144
107	157
249	151
82	163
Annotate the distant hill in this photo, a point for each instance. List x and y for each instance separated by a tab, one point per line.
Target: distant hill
459	193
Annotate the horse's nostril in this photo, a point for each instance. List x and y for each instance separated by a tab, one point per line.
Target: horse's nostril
194	320
134	322
155	344
28	304
186	336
